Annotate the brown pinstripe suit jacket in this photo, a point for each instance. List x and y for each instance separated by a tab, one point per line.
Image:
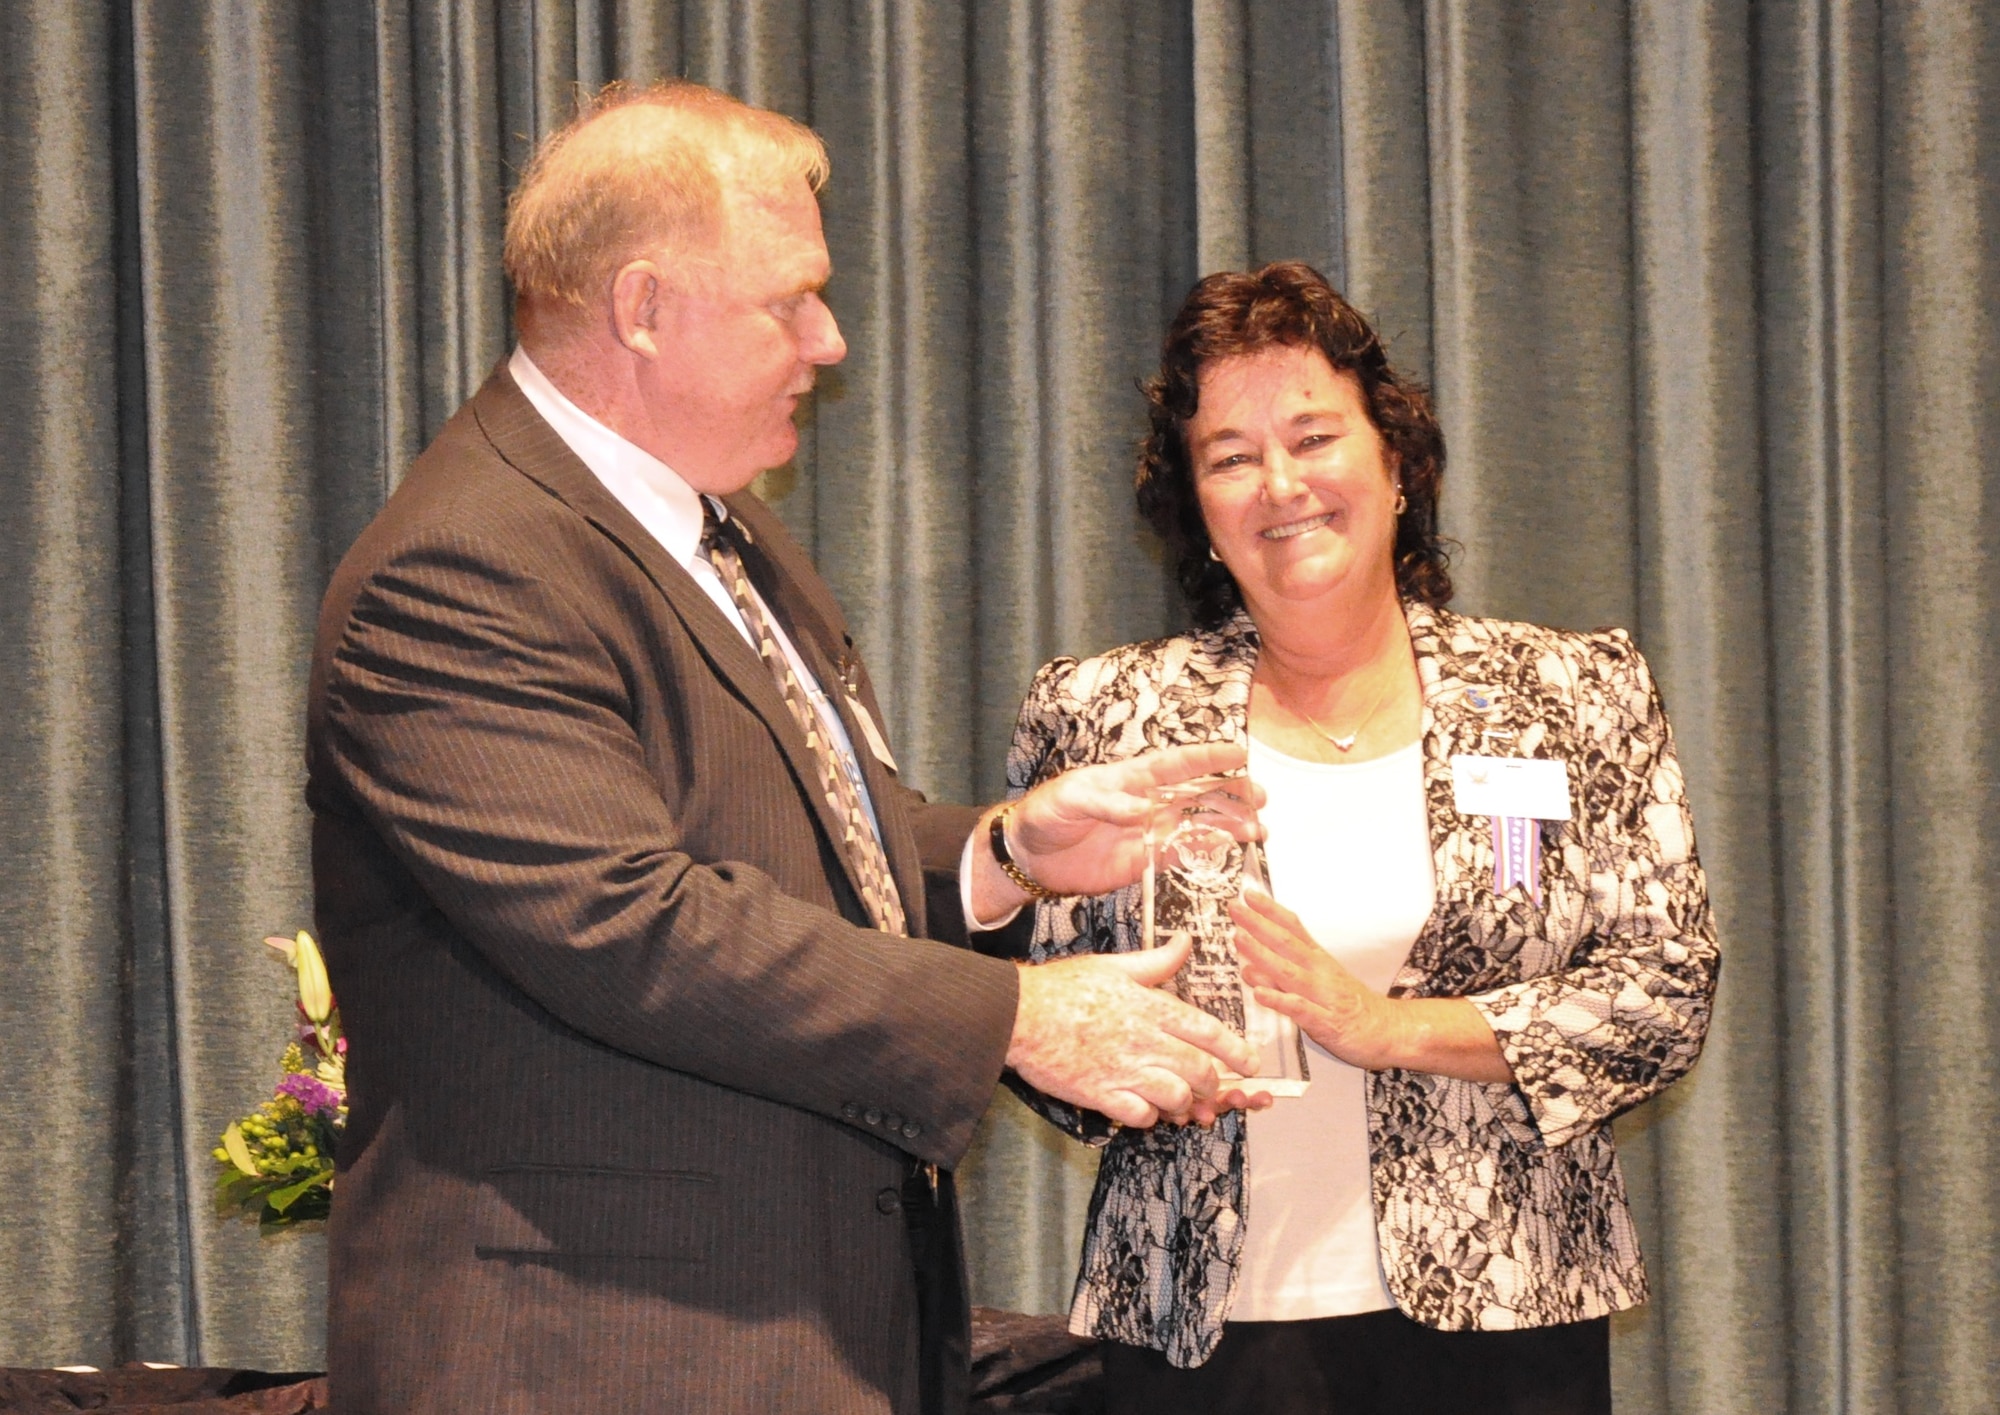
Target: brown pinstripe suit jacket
634	1089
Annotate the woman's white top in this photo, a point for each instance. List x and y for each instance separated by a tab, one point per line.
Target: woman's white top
1350	853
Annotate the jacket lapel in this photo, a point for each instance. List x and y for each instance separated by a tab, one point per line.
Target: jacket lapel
1461	706
534	448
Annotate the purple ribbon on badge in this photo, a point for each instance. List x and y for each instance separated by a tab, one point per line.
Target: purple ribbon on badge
1517	855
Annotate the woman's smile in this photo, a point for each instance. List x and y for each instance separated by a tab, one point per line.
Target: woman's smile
1297	528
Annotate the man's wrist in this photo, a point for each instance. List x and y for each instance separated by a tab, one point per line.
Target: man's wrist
989	899
1003	856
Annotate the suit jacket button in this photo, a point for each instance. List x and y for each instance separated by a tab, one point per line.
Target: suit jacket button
894	1122
850	1111
911	1130
888	1201
873	1117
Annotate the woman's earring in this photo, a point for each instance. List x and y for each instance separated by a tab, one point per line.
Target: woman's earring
1213	556
1402	501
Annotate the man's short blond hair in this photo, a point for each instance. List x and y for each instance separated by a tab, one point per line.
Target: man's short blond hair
640	172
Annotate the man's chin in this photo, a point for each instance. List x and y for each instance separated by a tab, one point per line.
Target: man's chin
726	480
779	450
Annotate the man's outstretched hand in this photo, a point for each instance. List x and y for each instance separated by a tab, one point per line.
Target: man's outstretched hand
1084	832
1098	1033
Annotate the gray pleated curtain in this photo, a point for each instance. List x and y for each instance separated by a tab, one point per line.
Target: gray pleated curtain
1708	293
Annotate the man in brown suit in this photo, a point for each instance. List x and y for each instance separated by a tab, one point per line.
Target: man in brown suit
653	1103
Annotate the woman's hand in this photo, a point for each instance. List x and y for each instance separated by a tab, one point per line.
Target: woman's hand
1292	975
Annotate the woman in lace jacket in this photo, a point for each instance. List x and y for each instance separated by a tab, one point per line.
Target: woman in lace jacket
1439	1222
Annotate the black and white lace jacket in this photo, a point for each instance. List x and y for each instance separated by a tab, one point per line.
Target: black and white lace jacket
1496	1206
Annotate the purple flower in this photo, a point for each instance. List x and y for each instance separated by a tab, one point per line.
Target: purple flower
314	1096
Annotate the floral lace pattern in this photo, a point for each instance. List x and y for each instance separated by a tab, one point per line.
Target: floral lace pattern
1496	1206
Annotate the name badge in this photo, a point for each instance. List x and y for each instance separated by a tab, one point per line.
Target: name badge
876	742
1517	787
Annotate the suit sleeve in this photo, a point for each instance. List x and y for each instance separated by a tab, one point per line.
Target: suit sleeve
1629	1015
481	728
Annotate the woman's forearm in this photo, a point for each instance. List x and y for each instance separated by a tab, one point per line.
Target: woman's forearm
1445	1035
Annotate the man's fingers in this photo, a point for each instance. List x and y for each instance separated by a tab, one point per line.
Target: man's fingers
1206	1034
1166	765
1152	966
1127	1108
1166	1092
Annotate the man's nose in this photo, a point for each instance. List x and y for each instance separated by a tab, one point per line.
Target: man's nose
819	334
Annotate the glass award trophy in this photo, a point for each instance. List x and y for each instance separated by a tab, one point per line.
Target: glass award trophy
1195	868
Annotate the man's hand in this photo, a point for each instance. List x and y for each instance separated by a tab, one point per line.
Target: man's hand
1096	1032
1084	832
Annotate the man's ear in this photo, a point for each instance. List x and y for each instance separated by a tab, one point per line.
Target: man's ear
639	298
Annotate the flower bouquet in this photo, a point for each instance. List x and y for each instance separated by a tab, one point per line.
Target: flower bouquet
276	1164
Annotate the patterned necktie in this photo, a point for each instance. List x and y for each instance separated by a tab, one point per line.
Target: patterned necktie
861	848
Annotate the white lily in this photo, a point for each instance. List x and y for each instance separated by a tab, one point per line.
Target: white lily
315	992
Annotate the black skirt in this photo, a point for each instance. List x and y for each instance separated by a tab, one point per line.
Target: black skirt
1374	1362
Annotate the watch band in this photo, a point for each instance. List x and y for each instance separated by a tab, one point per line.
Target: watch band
1004	857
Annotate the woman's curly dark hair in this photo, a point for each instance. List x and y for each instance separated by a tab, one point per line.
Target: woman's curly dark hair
1285	305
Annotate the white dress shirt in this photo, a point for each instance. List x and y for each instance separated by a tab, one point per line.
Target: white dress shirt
670	510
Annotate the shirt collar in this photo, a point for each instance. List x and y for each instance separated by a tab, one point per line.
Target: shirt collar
652	491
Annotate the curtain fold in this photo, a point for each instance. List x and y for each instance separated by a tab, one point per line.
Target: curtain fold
1821	224
1703	542
61	603
1939	374
1707	291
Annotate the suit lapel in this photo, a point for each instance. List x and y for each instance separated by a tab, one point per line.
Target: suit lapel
534	448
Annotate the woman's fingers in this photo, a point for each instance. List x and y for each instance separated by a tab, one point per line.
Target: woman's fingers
1259	964
1290	1004
1262	907
1274	950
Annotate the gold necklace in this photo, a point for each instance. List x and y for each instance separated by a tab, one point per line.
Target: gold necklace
1346	744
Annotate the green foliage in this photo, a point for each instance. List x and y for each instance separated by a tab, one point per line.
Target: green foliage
292	1151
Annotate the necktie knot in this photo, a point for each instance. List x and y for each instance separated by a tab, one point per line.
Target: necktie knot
714	533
